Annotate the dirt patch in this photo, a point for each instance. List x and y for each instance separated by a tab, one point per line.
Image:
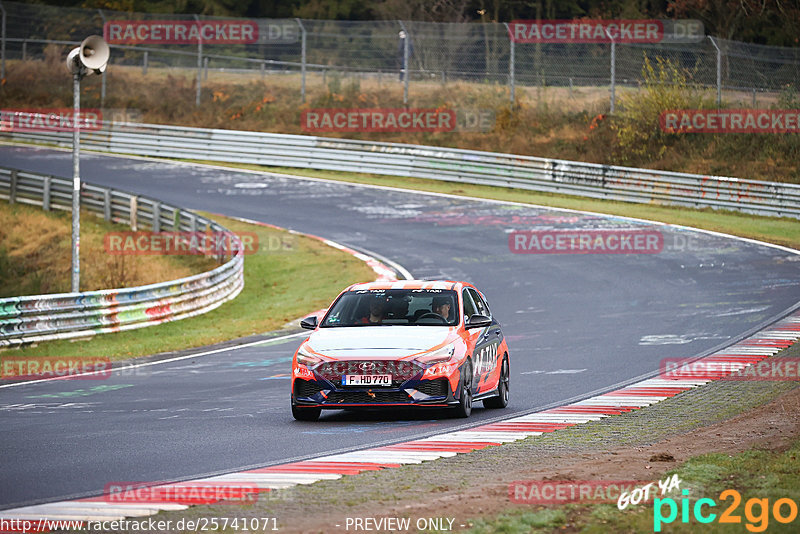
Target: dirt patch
773	426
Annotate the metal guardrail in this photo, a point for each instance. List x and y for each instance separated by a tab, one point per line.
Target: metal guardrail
68	315
449	164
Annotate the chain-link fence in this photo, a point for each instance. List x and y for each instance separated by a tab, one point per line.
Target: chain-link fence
407	53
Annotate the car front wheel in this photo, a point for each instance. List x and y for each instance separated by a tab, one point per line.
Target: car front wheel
464	407
305	414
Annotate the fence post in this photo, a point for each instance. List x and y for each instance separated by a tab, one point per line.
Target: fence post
719	71
156	225
12	191
199	63
510	62
613	71
205	68
405	72
25	50
3	44
107	205
46	193
302	60
144	63
134	207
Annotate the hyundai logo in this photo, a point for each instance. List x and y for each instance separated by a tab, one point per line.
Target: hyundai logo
366	366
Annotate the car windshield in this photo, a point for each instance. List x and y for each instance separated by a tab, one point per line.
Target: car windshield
390	307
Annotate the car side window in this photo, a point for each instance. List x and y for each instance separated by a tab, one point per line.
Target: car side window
469	306
481	306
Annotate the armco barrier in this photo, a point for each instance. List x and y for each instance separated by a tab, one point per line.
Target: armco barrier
468	166
68	315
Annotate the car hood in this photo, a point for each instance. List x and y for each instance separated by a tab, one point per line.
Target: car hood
378	342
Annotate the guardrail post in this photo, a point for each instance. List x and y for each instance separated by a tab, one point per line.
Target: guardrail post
176	219
719	71
46	193
25	50
199	64
156	217
107	205
510	62
12	191
263	69
144	63
302	60
193	223
134	207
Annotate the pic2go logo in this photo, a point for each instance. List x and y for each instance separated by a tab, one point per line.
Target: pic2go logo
756	511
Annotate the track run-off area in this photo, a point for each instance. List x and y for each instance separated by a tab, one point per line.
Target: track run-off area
576	324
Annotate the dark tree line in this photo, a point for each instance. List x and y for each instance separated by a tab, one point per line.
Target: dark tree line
773	22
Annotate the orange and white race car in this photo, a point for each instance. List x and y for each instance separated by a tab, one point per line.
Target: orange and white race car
402	344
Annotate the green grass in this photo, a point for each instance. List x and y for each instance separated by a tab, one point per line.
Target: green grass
778	230
280	285
755	474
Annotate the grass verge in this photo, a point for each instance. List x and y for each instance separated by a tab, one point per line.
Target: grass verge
290	275
761	475
778	230
36	251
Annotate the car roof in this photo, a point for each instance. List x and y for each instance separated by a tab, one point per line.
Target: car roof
410	284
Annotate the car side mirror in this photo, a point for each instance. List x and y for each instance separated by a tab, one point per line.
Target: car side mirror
478	321
309	323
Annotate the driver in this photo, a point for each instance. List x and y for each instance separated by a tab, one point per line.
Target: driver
441	306
377	307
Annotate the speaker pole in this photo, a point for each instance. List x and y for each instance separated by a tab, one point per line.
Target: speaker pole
90	57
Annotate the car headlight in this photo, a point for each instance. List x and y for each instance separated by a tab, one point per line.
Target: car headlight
441	355
305	357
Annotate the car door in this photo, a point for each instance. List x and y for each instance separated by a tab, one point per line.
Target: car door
487	344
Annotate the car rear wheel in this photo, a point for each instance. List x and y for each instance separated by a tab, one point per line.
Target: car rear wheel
464	406
501	400
305	414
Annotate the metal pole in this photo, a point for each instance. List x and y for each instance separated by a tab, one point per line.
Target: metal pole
719	71
302	59
199	63
405	62
3	44
76	183
144	63
613	72
510	62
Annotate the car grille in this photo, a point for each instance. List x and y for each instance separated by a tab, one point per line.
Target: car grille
362	397
305	388
400	370
434	388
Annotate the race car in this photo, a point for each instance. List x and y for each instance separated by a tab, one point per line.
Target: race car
412	343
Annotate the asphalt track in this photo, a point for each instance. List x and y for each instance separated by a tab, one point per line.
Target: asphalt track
576	323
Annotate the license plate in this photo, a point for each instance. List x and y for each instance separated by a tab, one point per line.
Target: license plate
367	380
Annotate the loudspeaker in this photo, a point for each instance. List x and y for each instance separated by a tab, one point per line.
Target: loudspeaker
92	54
